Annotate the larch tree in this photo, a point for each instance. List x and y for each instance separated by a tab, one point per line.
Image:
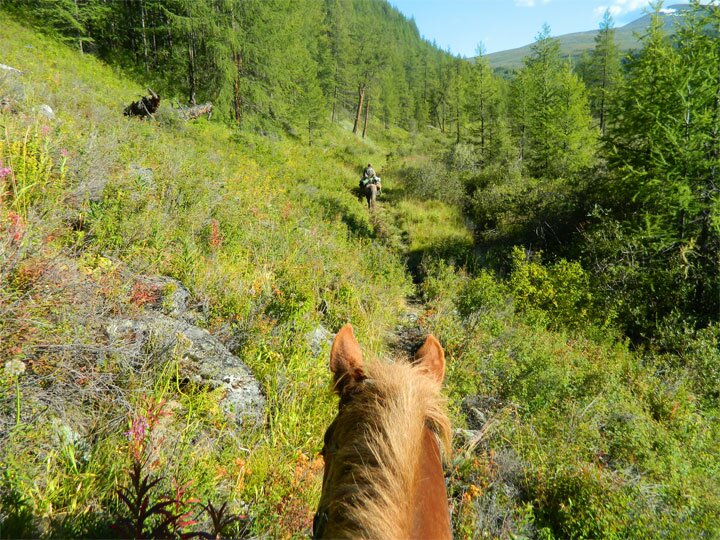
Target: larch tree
553	122
603	70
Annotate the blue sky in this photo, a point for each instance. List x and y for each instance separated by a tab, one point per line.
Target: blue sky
505	24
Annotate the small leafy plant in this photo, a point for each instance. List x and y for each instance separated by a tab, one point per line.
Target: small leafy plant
150	515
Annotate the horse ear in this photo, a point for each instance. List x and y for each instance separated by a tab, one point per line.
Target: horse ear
346	359
431	357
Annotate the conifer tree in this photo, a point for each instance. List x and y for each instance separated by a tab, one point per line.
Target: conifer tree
484	104
666	151
552	119
603	70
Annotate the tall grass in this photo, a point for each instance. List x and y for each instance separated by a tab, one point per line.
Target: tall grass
268	237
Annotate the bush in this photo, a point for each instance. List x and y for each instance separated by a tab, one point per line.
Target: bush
561	290
433	181
482	294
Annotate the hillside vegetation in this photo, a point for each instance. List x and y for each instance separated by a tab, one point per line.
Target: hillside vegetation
267	237
556	231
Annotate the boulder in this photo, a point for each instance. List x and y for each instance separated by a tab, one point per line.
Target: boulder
46	111
317	338
204	360
172	296
144	175
10	69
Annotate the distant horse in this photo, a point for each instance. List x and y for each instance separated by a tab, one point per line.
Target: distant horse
383	467
371	191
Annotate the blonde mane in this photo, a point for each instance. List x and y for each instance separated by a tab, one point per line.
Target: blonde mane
377	435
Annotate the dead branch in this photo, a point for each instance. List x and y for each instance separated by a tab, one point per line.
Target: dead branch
196	111
143	107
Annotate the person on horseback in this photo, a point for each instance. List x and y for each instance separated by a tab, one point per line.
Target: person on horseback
369	172
370	177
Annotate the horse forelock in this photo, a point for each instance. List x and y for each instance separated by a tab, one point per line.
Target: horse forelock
371	480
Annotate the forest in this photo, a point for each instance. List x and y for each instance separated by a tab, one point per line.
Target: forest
556	227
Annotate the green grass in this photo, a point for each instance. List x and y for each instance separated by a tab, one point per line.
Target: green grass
268	235
573	433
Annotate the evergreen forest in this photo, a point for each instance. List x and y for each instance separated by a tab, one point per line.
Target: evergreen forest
170	286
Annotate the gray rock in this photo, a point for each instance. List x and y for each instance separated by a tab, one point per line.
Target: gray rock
5	67
479	409
46	111
69	439
144	175
317	338
205	360
172	295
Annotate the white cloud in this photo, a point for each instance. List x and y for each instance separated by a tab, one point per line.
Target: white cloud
621	7
530	3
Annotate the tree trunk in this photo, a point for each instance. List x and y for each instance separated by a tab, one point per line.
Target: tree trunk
367	113
77	17
144	35
335	94
457	118
457	103
237	100
603	91
361	98
191	69
334	107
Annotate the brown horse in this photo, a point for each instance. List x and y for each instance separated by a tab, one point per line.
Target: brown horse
383	462
371	191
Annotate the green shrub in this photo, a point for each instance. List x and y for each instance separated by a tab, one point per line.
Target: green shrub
433	181
560	290
482	293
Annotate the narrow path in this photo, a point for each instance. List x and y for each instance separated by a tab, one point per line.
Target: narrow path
408	335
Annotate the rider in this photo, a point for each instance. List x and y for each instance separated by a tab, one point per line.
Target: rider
368	172
370	177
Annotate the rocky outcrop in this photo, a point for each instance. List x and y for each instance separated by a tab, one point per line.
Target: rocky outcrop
202	358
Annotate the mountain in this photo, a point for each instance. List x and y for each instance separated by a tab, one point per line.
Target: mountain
575	44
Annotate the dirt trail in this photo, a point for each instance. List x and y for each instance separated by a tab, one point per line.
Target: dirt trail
408	335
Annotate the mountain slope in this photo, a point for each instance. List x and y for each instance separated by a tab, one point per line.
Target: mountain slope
575	44
96	209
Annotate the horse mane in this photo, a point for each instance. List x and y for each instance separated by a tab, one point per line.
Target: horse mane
378	433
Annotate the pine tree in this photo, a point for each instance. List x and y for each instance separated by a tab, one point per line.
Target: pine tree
552	119
603	71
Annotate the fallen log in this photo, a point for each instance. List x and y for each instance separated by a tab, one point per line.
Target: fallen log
195	111
143	107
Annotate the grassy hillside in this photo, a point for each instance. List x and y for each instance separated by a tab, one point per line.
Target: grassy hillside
574	45
266	235
563	429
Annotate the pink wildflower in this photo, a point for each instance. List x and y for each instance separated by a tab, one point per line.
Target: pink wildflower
136	436
5	172
138	430
45	129
64	152
17	227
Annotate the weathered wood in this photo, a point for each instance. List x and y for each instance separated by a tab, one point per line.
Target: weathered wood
198	110
147	106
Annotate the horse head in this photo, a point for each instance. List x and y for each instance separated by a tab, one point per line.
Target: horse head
383	451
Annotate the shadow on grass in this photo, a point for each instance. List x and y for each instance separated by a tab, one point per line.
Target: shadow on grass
358	225
455	251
